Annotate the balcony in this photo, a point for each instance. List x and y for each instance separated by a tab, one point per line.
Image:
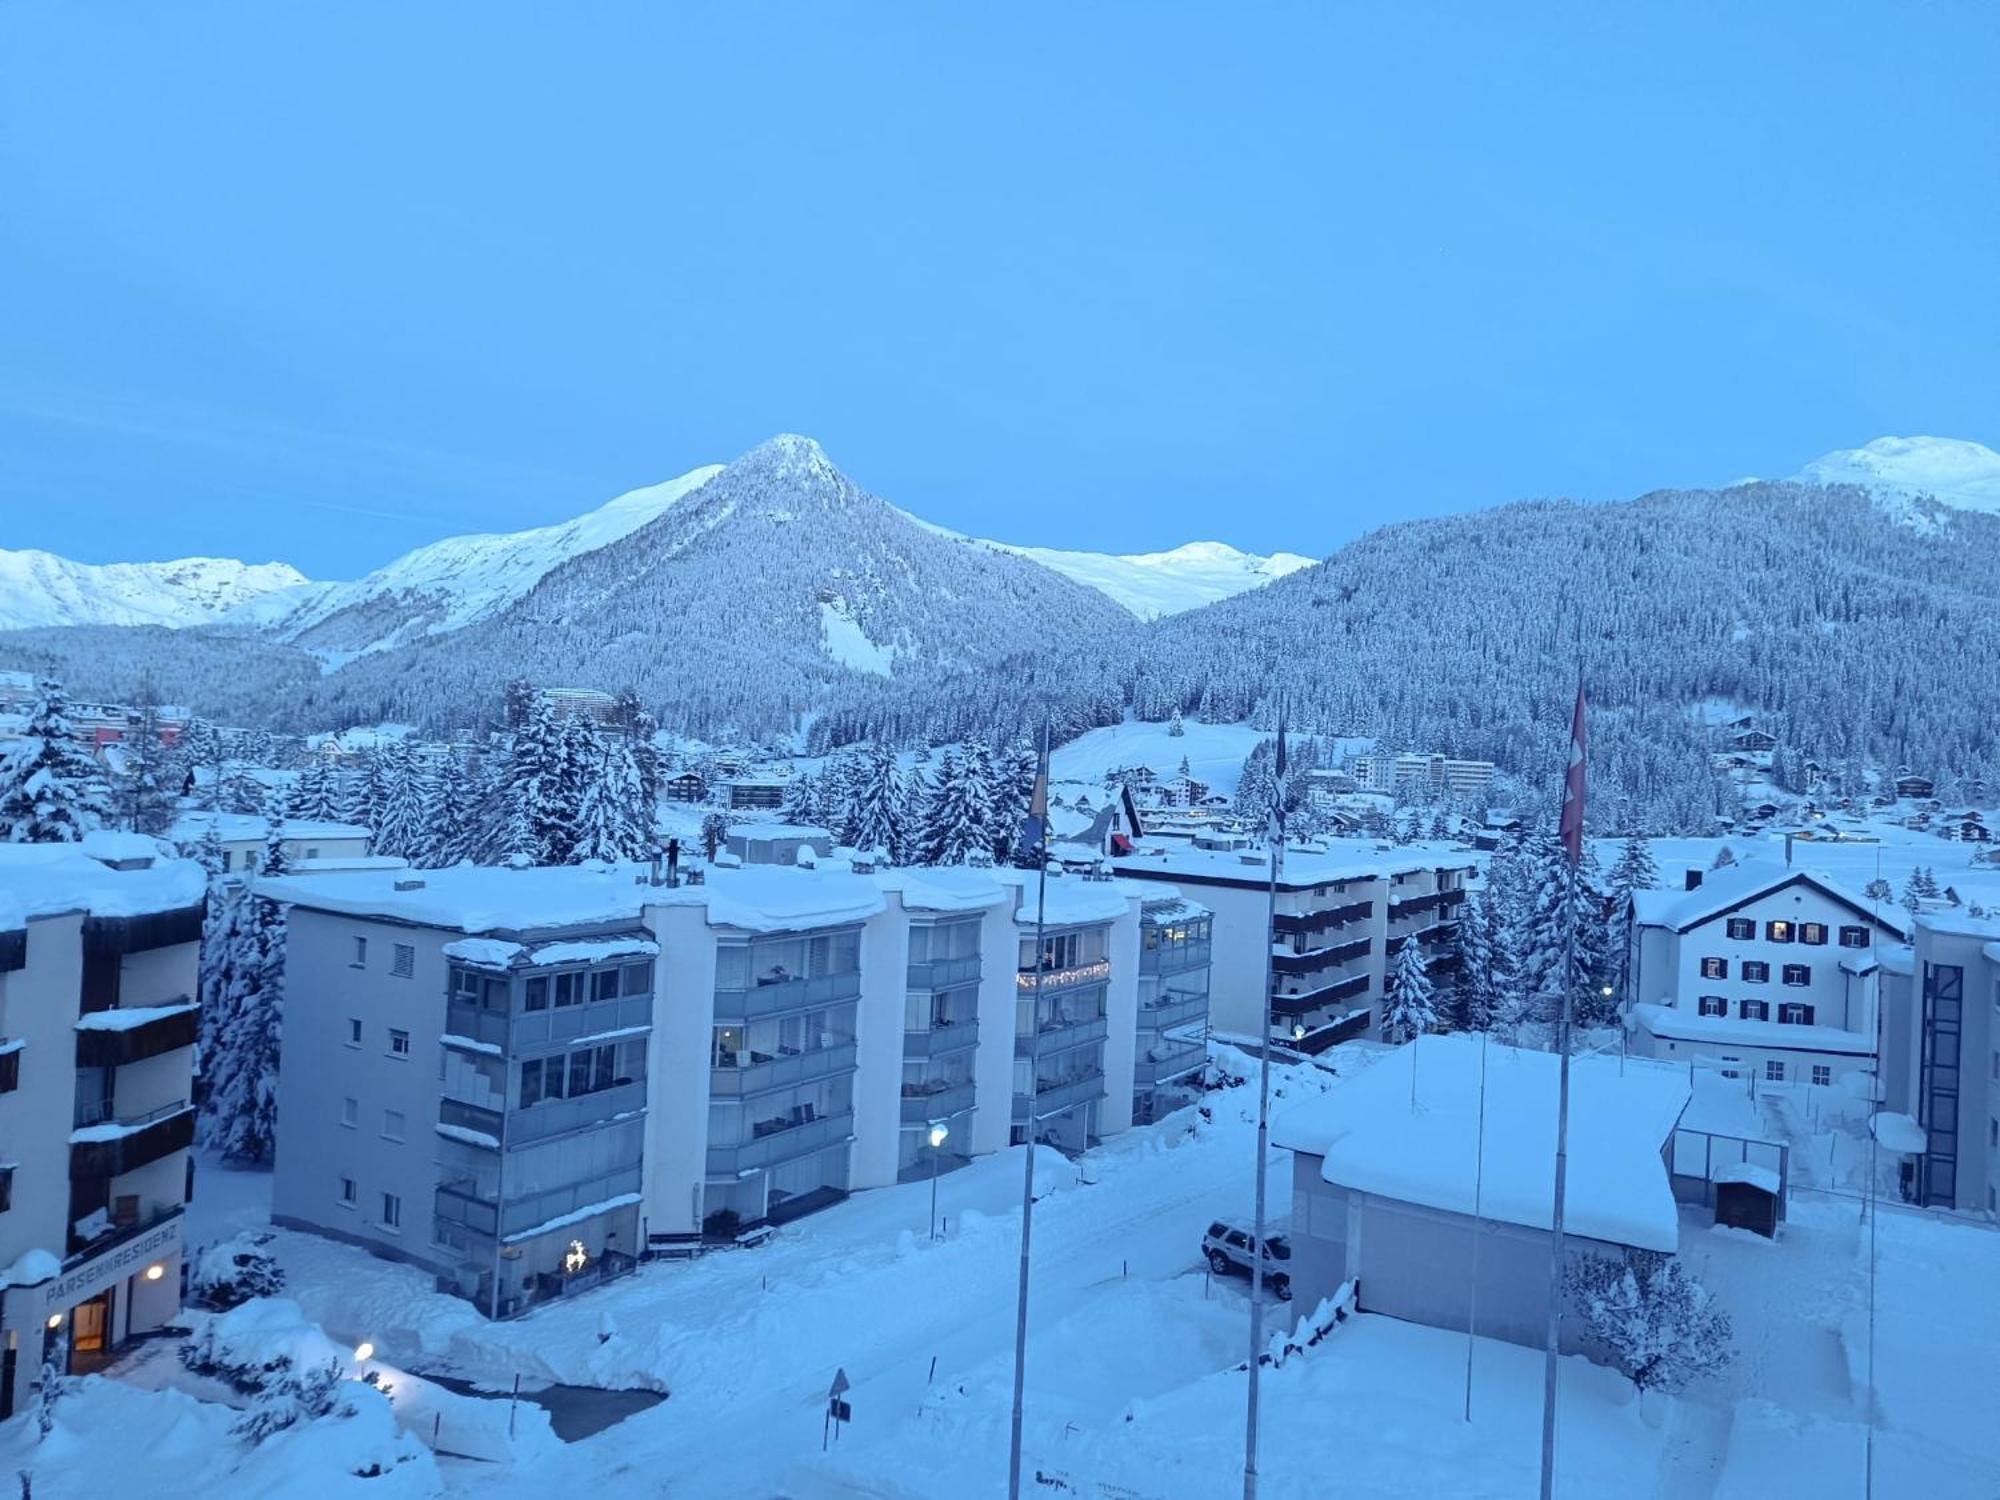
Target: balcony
1431	937
551	1117
784	996
459	1115
1303	924
774	1141
1052	980
566	1023
1403	907
944	973
761	1073
1053	1097
1175	958
473	1203
475	1024
1148	1072
10	1064
109	1146
1319	959
1450	901
1173	1008
1055	1036
116	1231
939	1041
103	1042
1351	988
923	1103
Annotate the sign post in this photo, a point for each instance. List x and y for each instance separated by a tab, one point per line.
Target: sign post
837	1410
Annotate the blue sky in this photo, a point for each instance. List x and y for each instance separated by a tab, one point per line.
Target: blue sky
325	282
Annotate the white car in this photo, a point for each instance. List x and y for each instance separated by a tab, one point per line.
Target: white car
1227	1247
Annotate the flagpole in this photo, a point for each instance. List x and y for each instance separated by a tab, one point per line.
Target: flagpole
1264	1121
1037	810
1478	1190
1572	835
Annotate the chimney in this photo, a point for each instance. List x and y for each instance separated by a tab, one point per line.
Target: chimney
1693	880
673	861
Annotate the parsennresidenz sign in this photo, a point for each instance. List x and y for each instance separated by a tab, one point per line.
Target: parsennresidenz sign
93	1276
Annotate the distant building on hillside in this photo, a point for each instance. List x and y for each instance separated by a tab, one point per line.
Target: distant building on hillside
688	786
753	793
588	702
1916	788
1438	775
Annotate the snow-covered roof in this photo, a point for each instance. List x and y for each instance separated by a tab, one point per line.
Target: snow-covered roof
1729	1031
329	862
779	831
235	828
1336	860
1172	909
1748	1171
1072	900
44	880
127	1018
1377	1133
945	887
1724	890
1899	1132
1957	921
480	899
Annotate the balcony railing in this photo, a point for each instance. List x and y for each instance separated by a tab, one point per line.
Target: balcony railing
1286	962
1094	972
760	1073
562	1023
923	1103
1403	907
116	1232
473	1203
954	1036
1173	1008
1175	958
475	1024
1350	988
139	1140
1057	1035
944	973
1298	924
1148	1072
1057	1095
551	1117
108	1047
781	996
463	1116
779	1141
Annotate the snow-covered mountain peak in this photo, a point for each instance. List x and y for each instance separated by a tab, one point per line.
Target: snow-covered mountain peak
40	589
1902	471
1152	584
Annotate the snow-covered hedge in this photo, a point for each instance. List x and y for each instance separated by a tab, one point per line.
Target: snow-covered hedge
231	1272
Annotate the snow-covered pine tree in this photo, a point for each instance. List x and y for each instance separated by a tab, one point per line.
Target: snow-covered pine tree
146	789
611	820
802	799
714	829
50	789
525	816
239	1117
1879	889
1009	787
220	943
1660	1324
450	815
1634	871
1478	998
956	816
201	760
401	814
880	813
1175	728
1409	1009
316	795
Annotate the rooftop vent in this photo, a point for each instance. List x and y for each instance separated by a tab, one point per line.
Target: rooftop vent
1693	880
409	885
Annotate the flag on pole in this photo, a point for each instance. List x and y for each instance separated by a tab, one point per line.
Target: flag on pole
1573	780
1280	791
1035	826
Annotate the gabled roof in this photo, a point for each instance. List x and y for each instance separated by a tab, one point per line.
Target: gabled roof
1724	891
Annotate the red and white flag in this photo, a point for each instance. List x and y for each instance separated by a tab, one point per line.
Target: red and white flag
1572	807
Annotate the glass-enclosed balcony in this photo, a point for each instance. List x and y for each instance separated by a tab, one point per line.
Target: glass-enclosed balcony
945	1037
924	1102
1059	1033
1167	1061
779	1139
944	973
748	1073
1053	1095
1173	1008
472	1203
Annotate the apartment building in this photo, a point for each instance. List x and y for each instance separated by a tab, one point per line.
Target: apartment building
1941	1058
243	835
99	955
1344	907
1760	969
1430	775
524	1079
1172	1046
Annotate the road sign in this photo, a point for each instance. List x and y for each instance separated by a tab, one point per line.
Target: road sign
837	1410
841	1385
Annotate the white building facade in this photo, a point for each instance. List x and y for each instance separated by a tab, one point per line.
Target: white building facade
98	980
1760	970
1942	1059
524	1079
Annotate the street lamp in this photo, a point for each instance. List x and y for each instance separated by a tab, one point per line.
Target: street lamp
940	1133
364	1351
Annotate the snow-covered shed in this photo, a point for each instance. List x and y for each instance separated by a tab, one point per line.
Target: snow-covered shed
1434	1167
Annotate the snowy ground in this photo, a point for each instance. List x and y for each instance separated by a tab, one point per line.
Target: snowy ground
1133	1392
1215	752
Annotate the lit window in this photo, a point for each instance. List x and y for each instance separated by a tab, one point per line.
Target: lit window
1813	933
1715	968
1778	932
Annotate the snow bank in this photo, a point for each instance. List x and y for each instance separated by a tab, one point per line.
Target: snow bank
42	880
593	952
493	952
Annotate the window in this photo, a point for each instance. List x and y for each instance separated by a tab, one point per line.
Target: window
350	1190
1792	1013
6	1189
227	856
1774	1071
569	987
1714	1005
639	978
1797	974
1822	1074
354	1031
604	984
392	1211
312	852
1754	1010
359	957
399	1043
392	1124
531	1084
403	960
1780	932
1715	968
1993	1132
1756	972
1854	937
535	993
1813	933
350	1112
1741	928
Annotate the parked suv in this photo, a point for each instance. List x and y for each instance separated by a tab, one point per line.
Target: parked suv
1227	1246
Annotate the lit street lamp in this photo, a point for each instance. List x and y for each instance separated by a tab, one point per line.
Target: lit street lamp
940	1133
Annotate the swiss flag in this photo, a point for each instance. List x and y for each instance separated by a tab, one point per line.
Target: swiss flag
1572	807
